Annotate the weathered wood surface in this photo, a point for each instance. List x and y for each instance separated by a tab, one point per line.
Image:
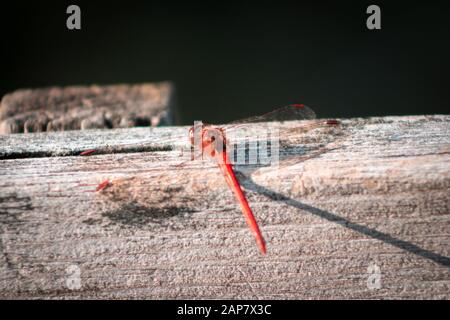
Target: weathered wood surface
372	204
87	107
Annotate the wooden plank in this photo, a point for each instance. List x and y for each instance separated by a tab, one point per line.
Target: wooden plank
87	107
372	204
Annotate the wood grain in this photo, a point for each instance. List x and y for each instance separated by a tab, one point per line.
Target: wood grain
372	202
87	107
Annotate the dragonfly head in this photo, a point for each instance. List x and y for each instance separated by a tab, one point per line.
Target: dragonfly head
212	139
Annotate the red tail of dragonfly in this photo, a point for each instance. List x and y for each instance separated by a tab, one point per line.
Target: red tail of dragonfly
233	183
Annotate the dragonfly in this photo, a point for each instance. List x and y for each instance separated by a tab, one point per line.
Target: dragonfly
212	142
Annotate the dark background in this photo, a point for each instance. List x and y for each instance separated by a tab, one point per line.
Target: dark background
235	59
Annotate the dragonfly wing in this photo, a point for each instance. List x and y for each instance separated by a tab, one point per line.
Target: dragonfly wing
287	113
302	128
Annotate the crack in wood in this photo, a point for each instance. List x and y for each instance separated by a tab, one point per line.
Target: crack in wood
99	151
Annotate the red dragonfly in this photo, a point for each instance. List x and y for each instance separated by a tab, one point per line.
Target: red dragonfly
211	141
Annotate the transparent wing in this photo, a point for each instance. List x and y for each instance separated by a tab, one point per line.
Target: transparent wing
287	113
